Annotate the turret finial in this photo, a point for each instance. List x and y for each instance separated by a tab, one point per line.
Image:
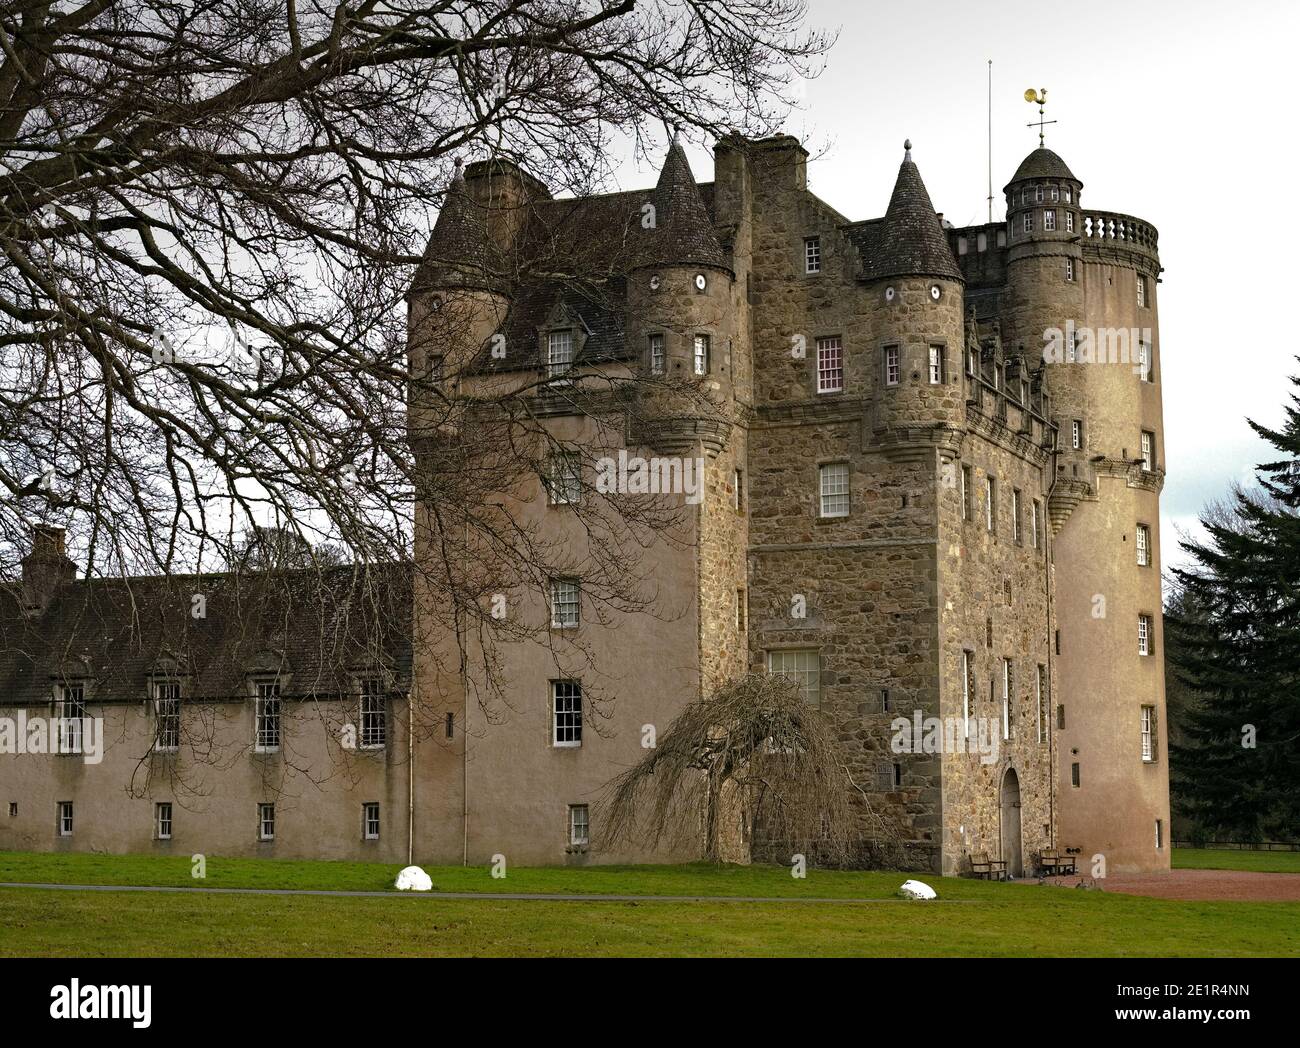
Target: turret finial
459	170
907	149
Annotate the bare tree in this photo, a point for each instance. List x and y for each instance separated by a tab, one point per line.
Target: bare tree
210	213
752	764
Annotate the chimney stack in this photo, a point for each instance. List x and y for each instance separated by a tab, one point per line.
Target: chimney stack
46	569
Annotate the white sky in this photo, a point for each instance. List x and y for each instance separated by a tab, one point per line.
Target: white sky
1173	111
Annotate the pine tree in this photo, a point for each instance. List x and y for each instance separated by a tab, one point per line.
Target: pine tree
1235	641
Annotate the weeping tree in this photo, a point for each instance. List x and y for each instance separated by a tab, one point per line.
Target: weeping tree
751	762
210	215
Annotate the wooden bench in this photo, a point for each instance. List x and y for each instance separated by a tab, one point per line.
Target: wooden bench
989	869
1051	863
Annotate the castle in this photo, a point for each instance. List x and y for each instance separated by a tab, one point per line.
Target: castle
926	465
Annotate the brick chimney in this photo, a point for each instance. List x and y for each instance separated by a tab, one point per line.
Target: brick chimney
46	569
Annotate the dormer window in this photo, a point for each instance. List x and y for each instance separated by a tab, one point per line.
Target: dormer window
559	352
374	714
167	716
266	716
812	254
70	711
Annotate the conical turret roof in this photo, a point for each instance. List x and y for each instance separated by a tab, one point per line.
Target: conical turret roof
683	233
461	251
911	241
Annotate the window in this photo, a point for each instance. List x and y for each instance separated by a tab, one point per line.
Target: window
893	367
1076	434
981	242
812	254
1148	451
1069	194
1016	537
965	493
559	352
1144	635
1069	217
167	716
1034	511
1060	714
1071	347
1049	220
266	716
936	365
65	818
564	603
835	489
1056	194
564	478
71	712
1142	290
740	609
830	365
1024	391
963	245
738	496
701	354
13	809
1148	734
967	689
655	354
437	368
374	714
370	820
1160	834
579	826
1069	269
990	504
1146	372
884	700
802	666
1143	546
972	362
566	713
162	821
1029	221
1040	702
1006	698
1074	774
451	725
266	822
1038	194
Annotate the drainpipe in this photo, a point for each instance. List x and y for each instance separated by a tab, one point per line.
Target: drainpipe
410	778
1051	650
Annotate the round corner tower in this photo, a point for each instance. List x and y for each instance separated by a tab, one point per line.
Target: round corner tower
1081	291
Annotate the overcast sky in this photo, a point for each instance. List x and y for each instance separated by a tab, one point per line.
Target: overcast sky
1173	111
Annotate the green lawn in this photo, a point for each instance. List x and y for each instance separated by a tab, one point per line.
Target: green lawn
1231	859
971	918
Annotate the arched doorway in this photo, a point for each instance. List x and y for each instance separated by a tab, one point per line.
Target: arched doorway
1011	848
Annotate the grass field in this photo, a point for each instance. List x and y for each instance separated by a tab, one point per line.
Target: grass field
1231	859
971	918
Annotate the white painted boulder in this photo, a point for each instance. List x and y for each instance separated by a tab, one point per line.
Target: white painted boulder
414	879
917	890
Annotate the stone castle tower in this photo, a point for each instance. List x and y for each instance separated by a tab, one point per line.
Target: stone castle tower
919	501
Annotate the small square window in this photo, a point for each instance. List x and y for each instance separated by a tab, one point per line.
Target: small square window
812	254
802	666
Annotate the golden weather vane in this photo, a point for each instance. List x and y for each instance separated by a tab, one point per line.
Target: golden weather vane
1040	97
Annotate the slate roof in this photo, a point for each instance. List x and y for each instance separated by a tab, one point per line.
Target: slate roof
1042	163
315	628
460	252
910	240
